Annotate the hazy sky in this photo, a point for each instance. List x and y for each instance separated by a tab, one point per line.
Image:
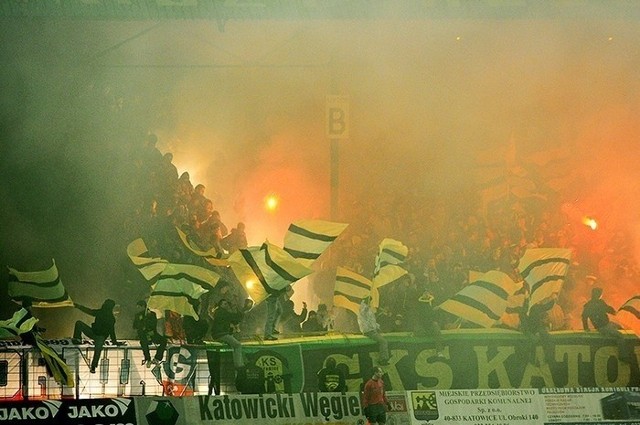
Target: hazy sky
242	108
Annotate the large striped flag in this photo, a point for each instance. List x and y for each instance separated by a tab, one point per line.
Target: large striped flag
56	366
266	269
515	305
351	288
391	254
179	288
387	274
44	288
21	322
544	270
306	240
483	301
632	306
150	267
211	256
515	302
390	251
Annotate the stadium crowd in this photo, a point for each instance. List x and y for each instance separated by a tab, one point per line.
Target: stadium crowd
447	238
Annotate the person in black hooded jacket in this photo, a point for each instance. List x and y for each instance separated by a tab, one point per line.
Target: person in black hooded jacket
226	319
103	327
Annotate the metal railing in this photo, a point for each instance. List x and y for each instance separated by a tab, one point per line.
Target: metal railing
120	373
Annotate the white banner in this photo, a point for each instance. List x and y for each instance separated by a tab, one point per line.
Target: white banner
526	406
305	408
546	406
530	406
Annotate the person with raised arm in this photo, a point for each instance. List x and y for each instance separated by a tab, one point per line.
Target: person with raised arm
103	327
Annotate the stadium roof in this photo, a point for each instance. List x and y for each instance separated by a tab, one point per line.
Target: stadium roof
223	10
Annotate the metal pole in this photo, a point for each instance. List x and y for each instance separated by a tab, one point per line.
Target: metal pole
334	153
335	177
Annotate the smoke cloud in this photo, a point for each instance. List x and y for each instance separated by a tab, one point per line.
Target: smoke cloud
242	110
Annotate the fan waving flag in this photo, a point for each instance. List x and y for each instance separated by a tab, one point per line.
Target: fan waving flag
351	288
544	270
632	306
43	288
180	287
484	301
267	269
148	266
390	251
306	240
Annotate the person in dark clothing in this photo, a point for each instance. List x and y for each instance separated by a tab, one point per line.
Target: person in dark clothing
251	380
408	306
195	329
236	239
274	312
312	325
225	321
425	320
385	319
103	327
330	378
145	324
597	311
535	324
325	317
290	320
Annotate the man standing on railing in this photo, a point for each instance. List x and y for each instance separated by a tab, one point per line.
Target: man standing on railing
145	324
226	319
274	311
370	328
596	311
103	327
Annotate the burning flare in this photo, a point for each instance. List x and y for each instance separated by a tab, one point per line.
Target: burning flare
271	202
591	222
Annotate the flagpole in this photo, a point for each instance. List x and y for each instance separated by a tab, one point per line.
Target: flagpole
334	151
335	169
337	114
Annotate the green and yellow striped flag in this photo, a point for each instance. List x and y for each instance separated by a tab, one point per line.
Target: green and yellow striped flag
44	287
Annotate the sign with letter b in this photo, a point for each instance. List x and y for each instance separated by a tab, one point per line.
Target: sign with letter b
337	117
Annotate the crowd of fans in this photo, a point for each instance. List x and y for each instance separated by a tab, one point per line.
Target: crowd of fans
447	240
446	236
